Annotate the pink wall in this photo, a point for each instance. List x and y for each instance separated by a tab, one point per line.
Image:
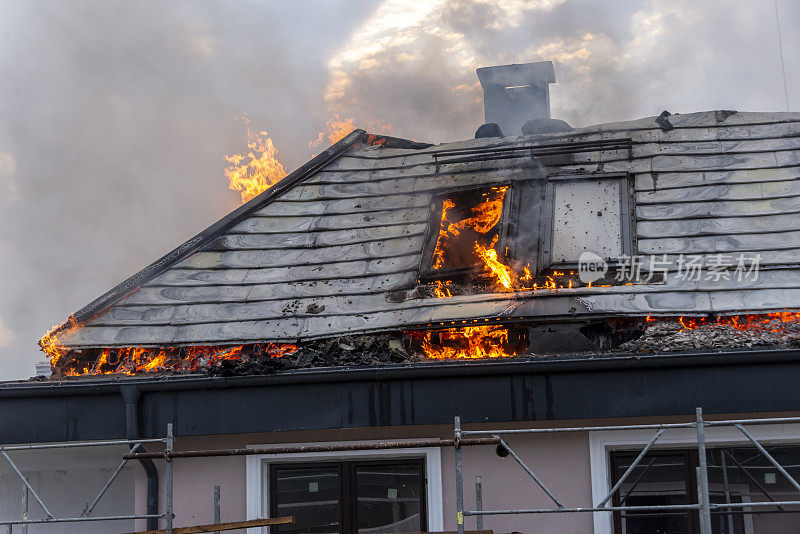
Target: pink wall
505	485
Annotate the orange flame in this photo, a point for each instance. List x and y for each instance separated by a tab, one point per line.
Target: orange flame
499	270
258	170
471	342
135	360
483	218
772	322
335	129
50	343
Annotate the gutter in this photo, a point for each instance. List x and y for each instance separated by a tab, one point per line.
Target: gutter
106	386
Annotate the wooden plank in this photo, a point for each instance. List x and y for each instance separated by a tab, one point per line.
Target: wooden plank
156	296
371	304
353	204
194	314
286	330
733	208
675	295
669	180
723	161
253	259
717	226
279	225
714	244
313	239
344	269
422	183
751	191
223	526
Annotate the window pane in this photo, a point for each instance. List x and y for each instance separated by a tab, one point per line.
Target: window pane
661	479
586	217
312	495
389	498
749	477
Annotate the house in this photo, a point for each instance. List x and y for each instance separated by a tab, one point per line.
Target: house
620	274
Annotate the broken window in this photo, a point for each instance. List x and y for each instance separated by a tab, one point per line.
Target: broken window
469	232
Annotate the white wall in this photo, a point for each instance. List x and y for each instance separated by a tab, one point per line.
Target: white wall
67	480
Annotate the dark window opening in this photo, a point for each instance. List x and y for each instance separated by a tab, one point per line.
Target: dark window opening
470	225
370	497
736	475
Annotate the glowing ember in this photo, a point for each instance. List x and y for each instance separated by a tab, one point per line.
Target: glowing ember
136	360
772	322
258	170
471	342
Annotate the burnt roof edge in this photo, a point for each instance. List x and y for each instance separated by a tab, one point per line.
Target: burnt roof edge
105	386
191	246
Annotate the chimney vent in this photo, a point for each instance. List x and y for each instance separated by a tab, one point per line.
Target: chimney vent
515	94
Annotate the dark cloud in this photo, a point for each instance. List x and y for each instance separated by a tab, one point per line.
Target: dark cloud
115	116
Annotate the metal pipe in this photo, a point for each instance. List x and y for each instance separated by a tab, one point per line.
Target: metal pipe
589	509
25	509
636	482
27	485
631	468
77	444
578	429
752	478
357	446
705	510
216	507
531	474
727	488
479	501
131	395
756	504
772	460
168	483
108	484
75	519
459	475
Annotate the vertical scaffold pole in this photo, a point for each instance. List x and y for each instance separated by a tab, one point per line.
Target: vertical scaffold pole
170	446
702	476
479	501
459	477
216	508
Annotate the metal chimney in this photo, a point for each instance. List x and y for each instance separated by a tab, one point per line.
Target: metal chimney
515	94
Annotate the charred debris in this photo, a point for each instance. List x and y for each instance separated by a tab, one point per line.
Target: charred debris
610	337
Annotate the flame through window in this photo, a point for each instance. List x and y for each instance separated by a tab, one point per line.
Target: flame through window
469	230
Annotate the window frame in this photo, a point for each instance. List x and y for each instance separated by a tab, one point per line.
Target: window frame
627	216
603	442
348	496
426	272
257	486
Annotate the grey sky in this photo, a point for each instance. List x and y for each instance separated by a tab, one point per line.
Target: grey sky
115	116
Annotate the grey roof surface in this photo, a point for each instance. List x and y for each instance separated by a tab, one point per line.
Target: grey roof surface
350	229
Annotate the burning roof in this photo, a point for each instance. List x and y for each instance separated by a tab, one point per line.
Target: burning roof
415	240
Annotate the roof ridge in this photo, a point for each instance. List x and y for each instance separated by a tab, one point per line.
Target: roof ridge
192	245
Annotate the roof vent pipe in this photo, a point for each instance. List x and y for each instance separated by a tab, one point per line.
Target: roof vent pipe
515	94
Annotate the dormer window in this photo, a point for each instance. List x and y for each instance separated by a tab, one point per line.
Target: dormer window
467	228
528	234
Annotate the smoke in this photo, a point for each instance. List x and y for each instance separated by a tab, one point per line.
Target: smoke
614	60
115	117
